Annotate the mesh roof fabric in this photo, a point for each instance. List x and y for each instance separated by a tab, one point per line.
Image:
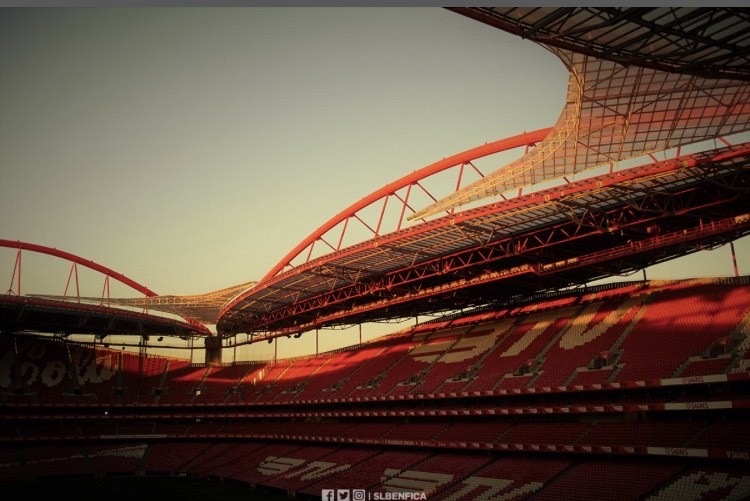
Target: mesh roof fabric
613	113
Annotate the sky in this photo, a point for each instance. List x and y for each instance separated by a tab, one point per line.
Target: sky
191	148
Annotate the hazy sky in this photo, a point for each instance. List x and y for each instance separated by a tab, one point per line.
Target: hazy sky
191	148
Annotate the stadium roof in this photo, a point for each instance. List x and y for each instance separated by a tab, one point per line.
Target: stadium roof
558	237
617	108
201	307
708	42
25	313
641	81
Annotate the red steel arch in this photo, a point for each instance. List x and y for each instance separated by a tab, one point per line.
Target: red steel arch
538	234
412	179
77	260
51	251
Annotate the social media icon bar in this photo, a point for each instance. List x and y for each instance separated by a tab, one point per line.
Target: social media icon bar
344	495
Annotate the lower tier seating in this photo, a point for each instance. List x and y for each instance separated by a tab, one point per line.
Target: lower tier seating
448	476
523	402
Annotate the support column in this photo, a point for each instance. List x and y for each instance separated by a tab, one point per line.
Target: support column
213	350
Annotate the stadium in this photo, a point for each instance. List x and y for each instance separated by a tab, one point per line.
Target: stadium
526	352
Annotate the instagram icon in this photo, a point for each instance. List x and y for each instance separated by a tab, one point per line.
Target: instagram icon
358	495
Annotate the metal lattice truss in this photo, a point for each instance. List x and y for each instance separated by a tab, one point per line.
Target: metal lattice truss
712	42
614	113
204	308
642	80
586	229
73	313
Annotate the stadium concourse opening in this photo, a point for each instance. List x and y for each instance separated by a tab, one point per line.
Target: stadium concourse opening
541	374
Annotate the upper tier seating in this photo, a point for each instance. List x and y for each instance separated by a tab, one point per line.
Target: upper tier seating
654	332
518	403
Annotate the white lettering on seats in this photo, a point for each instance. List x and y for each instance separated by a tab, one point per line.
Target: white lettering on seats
317	469
105	367
539	323
434	346
470	345
93	367
90	368
696	484
492	488
274	465
135	451
394	479
53	373
474	343
580	330
29	373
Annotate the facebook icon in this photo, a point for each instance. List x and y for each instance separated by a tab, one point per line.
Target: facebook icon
328	495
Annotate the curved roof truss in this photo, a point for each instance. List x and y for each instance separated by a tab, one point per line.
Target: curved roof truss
578	231
15	288
331	235
642	80
709	42
615	113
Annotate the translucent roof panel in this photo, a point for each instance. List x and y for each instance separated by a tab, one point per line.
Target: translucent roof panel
614	113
